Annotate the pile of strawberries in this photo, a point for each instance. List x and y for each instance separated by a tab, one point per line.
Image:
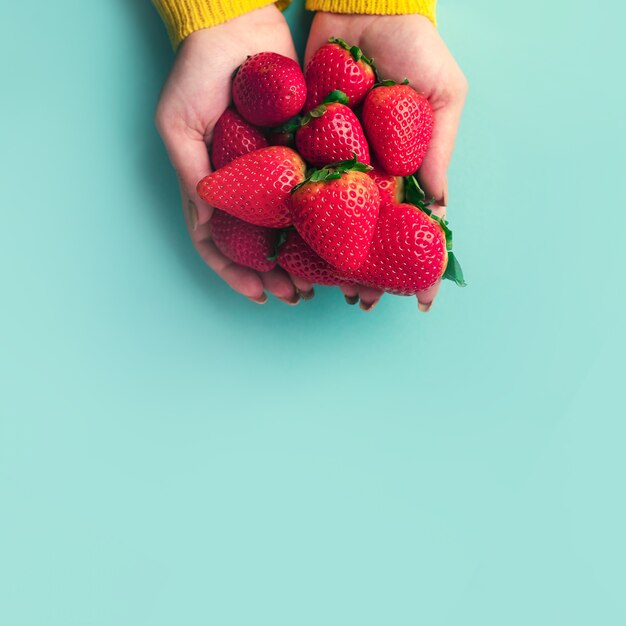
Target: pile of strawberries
315	172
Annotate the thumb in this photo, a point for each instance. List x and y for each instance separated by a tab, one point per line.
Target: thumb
190	158
432	173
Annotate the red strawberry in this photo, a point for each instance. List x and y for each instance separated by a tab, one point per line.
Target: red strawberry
255	187
296	257
390	188
232	137
331	132
335	212
244	243
269	89
408	252
337	65
398	124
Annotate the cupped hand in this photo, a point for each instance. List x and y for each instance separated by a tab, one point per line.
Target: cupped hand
196	93
408	46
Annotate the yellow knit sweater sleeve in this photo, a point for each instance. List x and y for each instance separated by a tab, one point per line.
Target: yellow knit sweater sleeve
183	17
376	7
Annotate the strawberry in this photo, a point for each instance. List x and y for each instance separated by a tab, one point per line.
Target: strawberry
390	188
244	243
268	89
331	132
408	253
296	257
232	137
255	186
398	124
338	65
335	212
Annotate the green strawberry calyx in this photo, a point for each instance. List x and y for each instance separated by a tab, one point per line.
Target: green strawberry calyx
290	126
334	171
333	97
415	195
389	83
282	237
355	51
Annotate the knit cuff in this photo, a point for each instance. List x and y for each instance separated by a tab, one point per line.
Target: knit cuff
376	7
183	17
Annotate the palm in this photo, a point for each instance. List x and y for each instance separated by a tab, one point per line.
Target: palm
408	46
195	95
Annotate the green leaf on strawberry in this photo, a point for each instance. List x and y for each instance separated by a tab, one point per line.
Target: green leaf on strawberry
390	83
282	237
414	194
355	51
453	270
334	96
333	171
290	126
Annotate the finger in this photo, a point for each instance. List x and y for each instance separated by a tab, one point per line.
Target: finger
277	282
190	158
350	293
426	297
432	173
304	287
369	297
242	279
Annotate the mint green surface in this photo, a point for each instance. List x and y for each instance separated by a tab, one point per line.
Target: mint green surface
173	454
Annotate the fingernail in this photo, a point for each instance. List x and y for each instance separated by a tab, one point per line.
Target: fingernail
424	307
351	299
192	215
307	295
262	299
368	306
293	300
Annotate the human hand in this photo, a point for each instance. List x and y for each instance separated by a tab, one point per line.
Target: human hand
196	93
408	46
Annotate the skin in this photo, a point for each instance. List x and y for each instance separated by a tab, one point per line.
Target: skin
198	90
407	46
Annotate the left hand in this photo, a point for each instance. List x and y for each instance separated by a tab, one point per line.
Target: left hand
408	46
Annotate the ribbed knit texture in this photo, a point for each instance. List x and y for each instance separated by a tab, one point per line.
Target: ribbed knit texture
183	17
376	7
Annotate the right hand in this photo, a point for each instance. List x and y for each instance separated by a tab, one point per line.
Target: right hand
196	93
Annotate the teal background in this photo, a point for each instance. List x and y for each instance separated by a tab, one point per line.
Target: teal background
173	454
